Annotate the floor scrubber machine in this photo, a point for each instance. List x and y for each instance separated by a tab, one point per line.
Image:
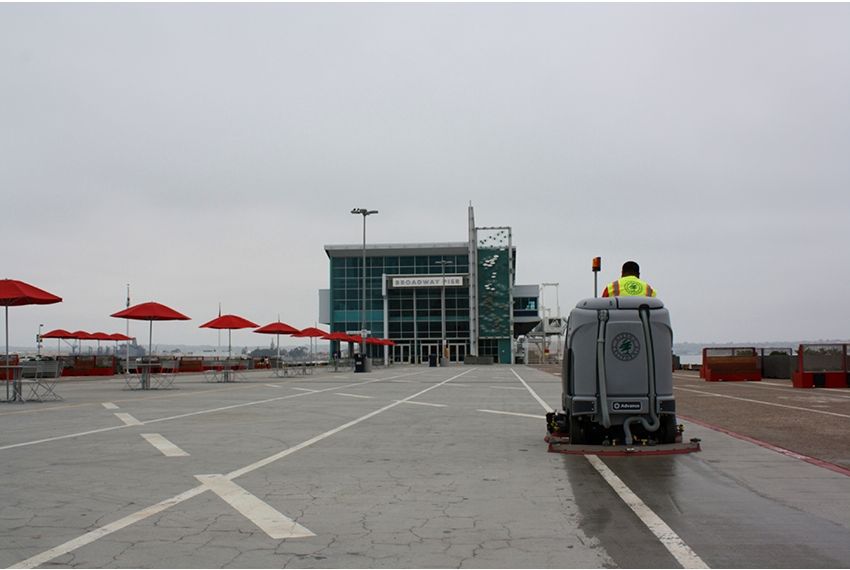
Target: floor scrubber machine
617	381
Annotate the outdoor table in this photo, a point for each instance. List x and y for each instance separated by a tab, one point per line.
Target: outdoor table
145	373
13	375
229	372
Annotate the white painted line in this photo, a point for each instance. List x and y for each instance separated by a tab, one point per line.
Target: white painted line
273	385
506	387
425	404
540	400
801	392
58	437
327	434
403	381
764	403
671	541
167	448
842	393
110	406
304	389
514	414
198	413
269	520
458	385
128	419
141	515
352	395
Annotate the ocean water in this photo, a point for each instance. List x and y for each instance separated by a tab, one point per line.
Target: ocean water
690	358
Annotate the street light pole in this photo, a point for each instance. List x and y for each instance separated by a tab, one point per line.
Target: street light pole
442	263
363	212
39	339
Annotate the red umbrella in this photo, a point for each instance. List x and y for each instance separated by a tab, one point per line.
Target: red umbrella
340	336
150	312
14	293
119	337
277	328
58	334
229	322
80	336
311	332
373	340
99	336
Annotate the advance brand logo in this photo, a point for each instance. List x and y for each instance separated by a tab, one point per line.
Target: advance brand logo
626	406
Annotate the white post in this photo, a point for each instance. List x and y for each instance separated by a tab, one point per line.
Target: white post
386	318
127	342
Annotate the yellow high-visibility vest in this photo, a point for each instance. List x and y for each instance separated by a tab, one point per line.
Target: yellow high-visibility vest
631	286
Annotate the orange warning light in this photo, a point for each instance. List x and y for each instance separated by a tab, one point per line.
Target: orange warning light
597	264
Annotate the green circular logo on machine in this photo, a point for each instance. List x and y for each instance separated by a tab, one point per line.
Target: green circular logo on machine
625	346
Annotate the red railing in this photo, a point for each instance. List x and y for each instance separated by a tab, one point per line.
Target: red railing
730	364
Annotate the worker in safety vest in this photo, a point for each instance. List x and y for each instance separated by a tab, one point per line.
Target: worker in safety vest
629	284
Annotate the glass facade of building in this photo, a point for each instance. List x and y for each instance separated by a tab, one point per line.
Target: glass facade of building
414	314
409	301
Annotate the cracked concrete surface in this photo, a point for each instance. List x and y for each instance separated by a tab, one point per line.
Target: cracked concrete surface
413	486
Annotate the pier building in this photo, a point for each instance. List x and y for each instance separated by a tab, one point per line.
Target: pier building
452	299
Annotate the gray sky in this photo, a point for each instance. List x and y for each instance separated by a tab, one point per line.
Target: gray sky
206	153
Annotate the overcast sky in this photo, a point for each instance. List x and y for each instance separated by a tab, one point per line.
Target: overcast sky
206	153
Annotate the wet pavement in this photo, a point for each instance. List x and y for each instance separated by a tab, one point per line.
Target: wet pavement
401	467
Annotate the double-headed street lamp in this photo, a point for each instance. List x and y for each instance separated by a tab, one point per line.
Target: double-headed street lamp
363	212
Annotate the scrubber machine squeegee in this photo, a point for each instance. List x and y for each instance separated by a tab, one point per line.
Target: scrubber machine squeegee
617	381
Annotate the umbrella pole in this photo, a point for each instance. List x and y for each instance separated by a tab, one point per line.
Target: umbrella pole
227	372
146	379
8	370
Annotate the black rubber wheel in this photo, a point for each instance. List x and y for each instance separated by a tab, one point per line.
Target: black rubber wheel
578	434
669	430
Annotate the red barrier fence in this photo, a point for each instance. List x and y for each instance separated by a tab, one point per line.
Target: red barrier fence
191	364
821	366
89	366
730	364
13	361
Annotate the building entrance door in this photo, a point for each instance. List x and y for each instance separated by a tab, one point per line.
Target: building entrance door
427	349
401	353
457	352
